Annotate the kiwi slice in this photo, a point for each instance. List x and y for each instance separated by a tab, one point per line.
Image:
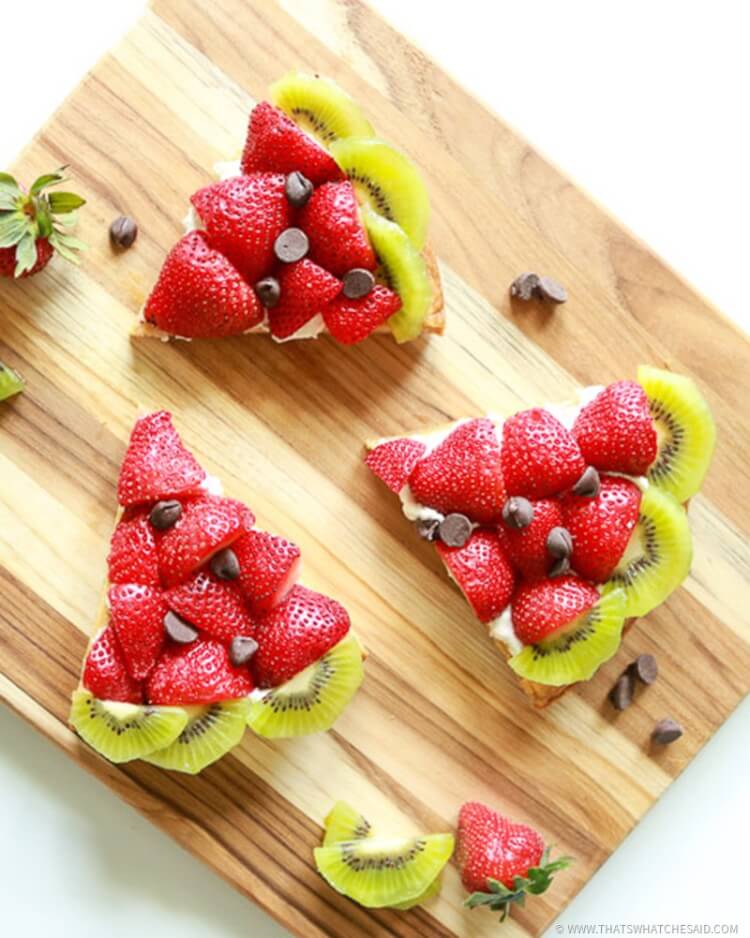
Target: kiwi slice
658	555
387	182
685	431
403	269
10	382
320	107
574	652
312	700
124	731
379	871
210	732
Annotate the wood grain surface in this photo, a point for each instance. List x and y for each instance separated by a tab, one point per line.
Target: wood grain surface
439	718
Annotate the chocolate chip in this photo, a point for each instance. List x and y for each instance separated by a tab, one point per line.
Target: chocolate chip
268	291
621	694
454	530
165	515
225	564
559	543
178	629
241	650
518	512
551	290
589	484
122	232
645	668
358	282
666	731
560	567
291	245
525	286
297	189
428	529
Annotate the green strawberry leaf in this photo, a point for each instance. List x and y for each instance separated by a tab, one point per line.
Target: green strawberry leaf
67	246
26	254
68	220
49	179
63	202
7	180
13	227
499	898
8	198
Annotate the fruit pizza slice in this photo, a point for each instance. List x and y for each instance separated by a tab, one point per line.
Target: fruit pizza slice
205	629
561	524
319	227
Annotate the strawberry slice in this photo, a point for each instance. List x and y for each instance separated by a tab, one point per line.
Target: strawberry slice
332	222
212	605
616	432
527	547
207	525
156	464
200	294
464	473
539	456
200	673
137	615
483	572
269	567
297	633
105	674
350	321
601	526
132	552
305	290
541	607
243	217
393	462
275	143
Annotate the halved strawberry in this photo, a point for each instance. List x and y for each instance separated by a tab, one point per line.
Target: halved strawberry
393	462
332	222
200	673
601	526
295	634
269	567
539	456
306	289
212	605
527	547
463	473
483	572
350	321
156	464
132	552
137	615
616	432
105	674
541	607
200	294
276	144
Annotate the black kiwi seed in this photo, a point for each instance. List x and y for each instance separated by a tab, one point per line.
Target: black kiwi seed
376	194
397	862
650	554
671	449
321	129
584	631
310	697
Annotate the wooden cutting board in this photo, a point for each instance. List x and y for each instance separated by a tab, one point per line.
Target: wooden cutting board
439	719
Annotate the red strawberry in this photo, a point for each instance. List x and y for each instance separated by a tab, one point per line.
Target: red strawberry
207	525
137	616
9	259
275	143
132	552
601	526
243	217
305	290
394	461
540	457
541	607
463	473
482	571
104	672
297	633
269	567
615	431
156	464
200	294
350	321
200	673
331	220
212	605
527	547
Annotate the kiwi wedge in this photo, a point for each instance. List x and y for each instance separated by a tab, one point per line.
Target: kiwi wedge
574	652
210	732
320	107
658	555
685	431
124	731
312	700
378	871
10	382
403	269
387	182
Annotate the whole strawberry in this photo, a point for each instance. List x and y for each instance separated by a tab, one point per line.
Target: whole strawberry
34	225
132	553
616	432
349	321
105	673
306	289
482	571
269	567
212	605
137	615
527	547
332	222
200	673
542	607
540	457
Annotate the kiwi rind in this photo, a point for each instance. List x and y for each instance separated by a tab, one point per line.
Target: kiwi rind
685	429
10	382
124	731
575	652
312	700
320	107
211	732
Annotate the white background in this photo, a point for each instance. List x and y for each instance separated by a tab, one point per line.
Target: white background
644	103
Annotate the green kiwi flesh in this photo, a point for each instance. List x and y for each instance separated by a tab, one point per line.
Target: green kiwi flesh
210	732
10	382
320	107
124	731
